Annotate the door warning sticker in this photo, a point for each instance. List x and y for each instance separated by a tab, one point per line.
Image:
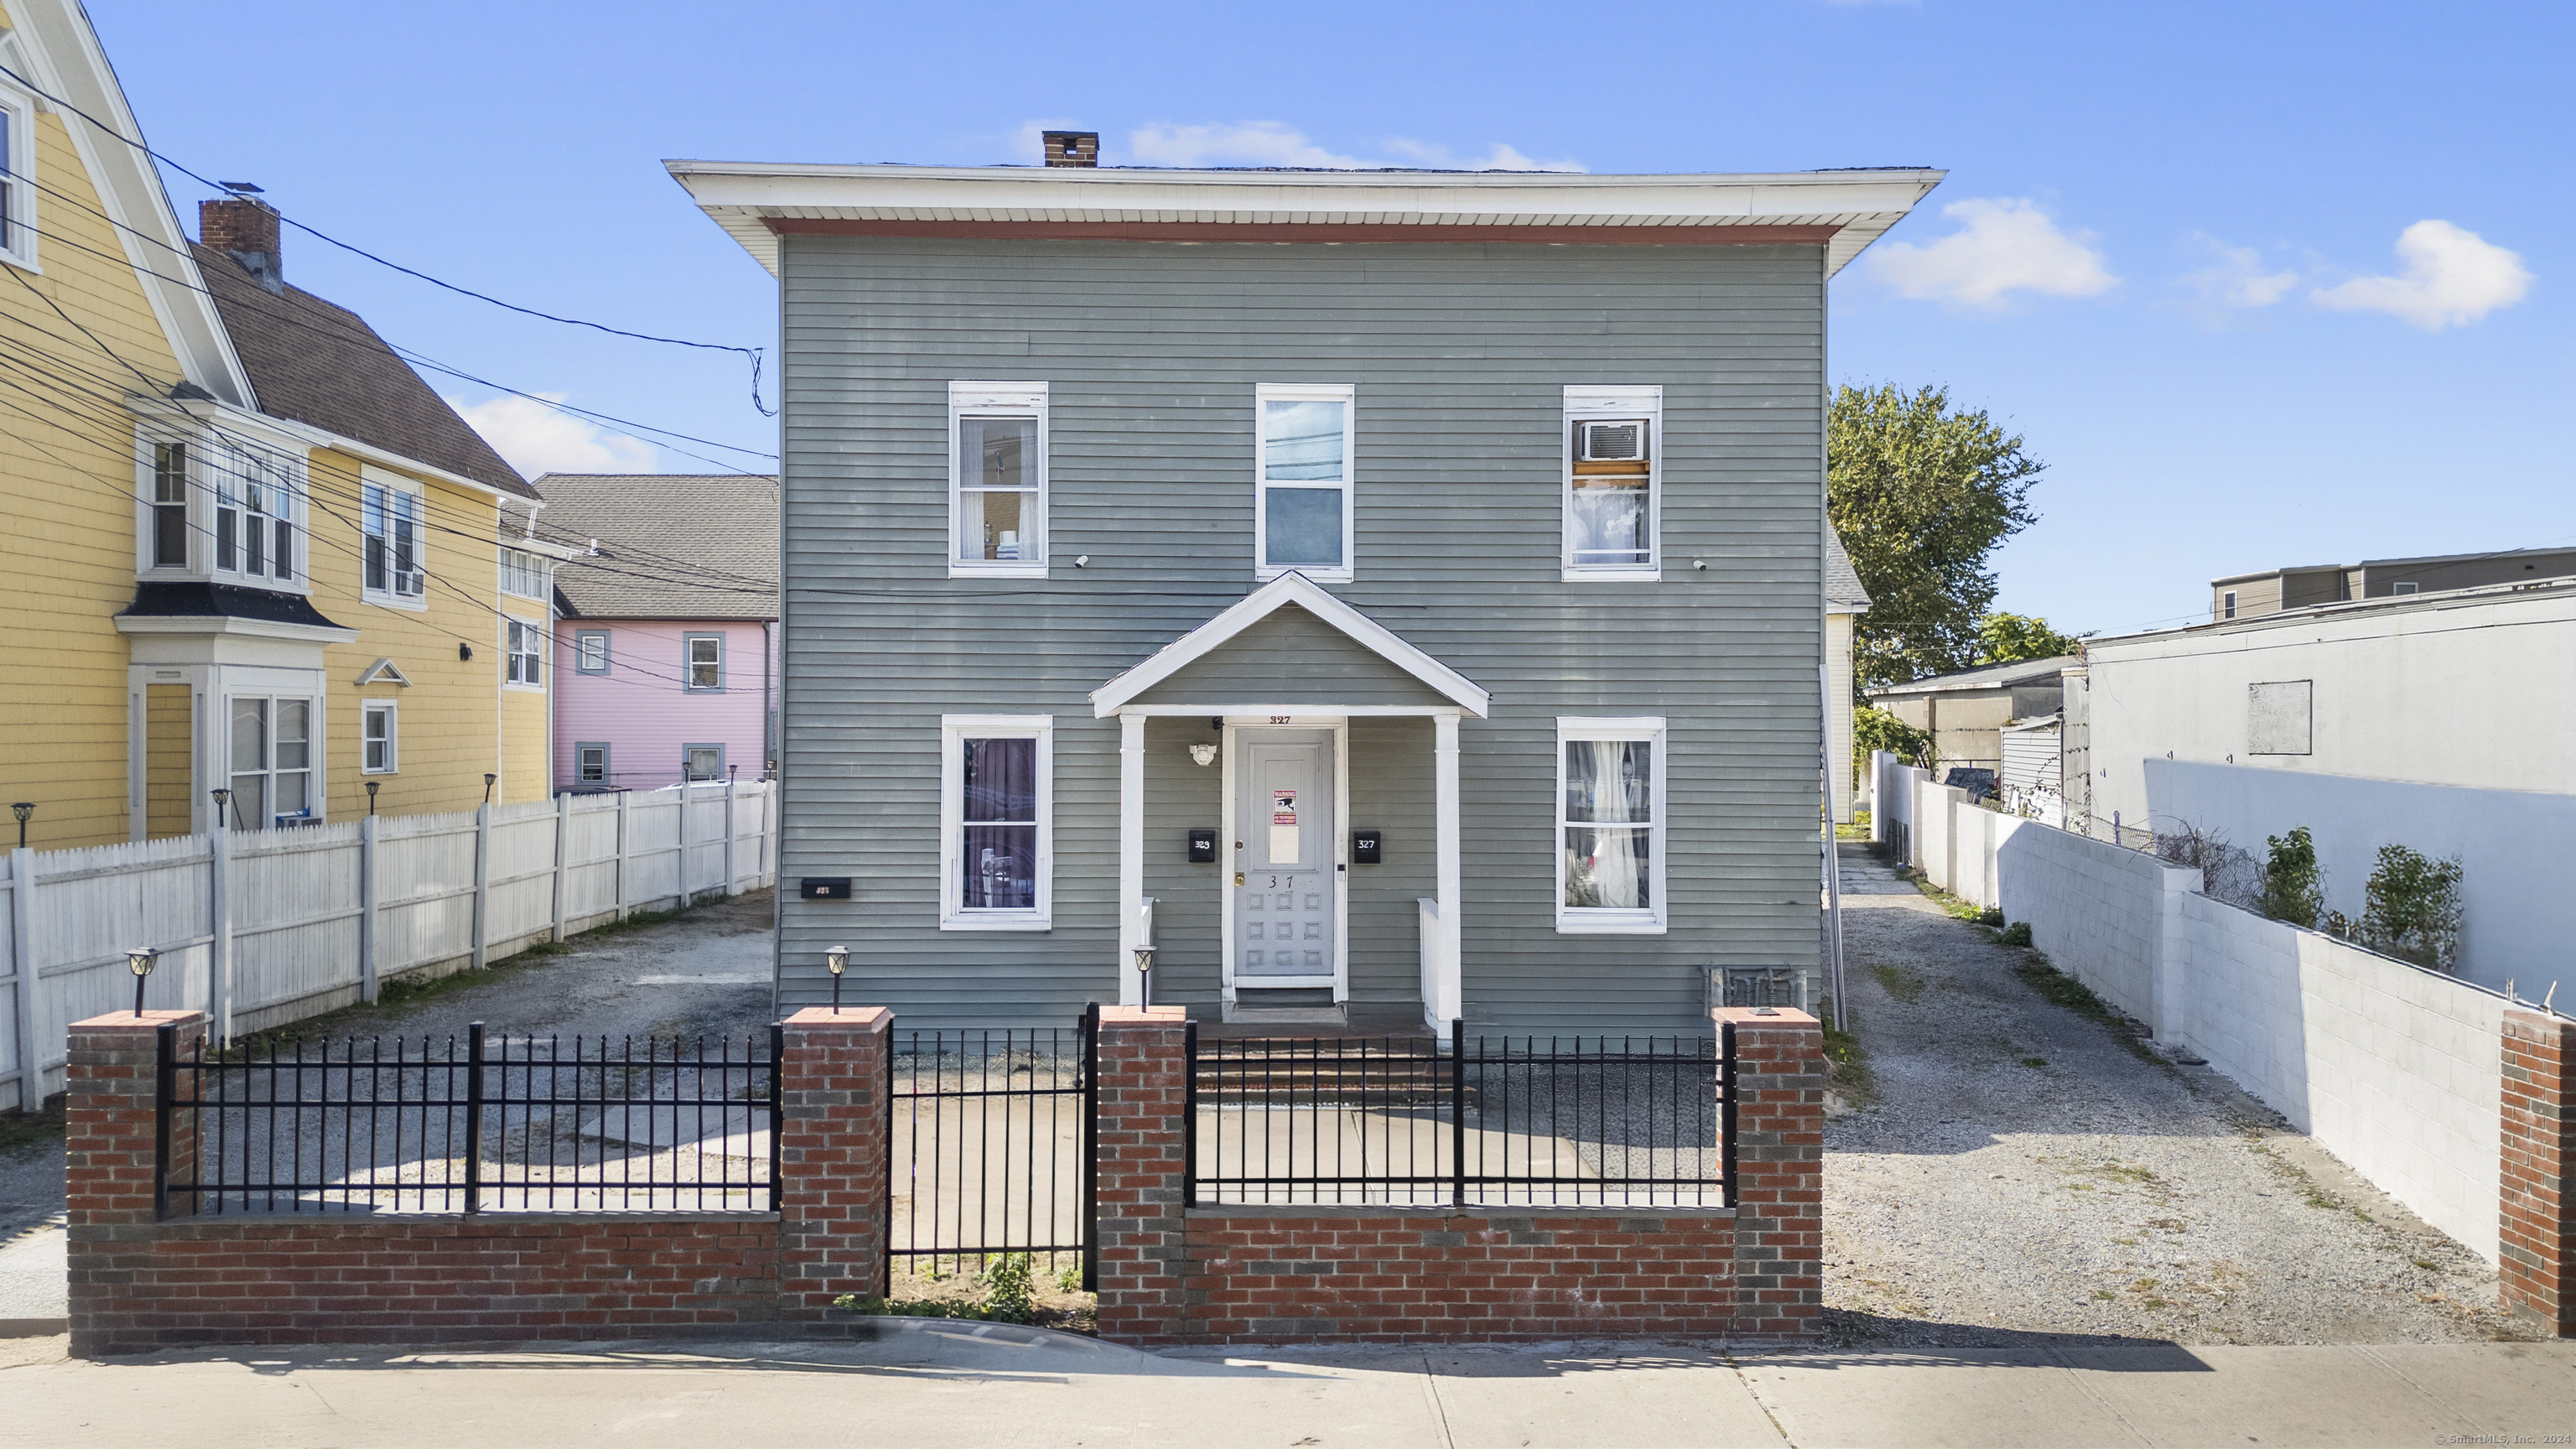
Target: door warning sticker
1283	827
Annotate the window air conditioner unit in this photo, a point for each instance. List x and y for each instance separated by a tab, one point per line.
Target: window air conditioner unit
1623	441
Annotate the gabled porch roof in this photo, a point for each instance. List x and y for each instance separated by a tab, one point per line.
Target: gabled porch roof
1297	589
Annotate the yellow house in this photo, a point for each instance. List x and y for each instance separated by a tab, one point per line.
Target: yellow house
253	563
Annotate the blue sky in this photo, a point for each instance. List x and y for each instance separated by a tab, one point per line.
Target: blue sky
2169	251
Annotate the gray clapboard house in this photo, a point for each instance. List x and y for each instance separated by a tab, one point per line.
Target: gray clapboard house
1387	596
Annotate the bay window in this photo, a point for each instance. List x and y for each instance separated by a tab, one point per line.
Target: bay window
1612	476
997	808
169	505
17	163
997	447
1610	825
257	498
1302	452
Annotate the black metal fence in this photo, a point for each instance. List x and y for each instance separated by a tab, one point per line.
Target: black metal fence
577	1124
1486	1122
991	1151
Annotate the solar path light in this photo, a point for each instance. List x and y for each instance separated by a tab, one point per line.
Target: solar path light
837	960
140	961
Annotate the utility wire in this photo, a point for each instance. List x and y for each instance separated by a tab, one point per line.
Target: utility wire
753	353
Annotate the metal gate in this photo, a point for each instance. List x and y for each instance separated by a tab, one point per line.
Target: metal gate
991	1150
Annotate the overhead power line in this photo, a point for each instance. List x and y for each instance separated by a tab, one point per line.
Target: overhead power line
104	129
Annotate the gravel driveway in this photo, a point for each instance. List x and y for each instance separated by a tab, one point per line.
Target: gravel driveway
2024	1171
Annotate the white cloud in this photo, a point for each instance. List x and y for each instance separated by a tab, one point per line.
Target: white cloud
534	438
2002	246
1275	143
2453	276
2235	279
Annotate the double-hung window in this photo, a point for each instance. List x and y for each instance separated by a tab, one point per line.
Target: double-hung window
1610	825
997	822
703	658
379	738
523	652
257	495
1302	480
272	762
389	515
523	574
169	543
590	651
997	479
17	165
1613	482
590	762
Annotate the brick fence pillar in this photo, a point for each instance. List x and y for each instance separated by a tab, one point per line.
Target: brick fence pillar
110	1149
1144	1172
1776	1076
832	1157
2537	1218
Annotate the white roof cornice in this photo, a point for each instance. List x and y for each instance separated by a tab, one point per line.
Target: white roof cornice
63	57
750	200
1261	603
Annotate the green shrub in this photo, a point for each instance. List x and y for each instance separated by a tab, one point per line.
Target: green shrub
2016	934
2411	908
1010	1290
2294	887
1990	916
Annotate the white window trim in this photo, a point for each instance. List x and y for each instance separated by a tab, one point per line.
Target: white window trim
579	652
1644	400
954	731
1590	921
391	710
290	475
18	249
536	627
1346	394
316	768
386	598
688	666
534	561
197	547
996	400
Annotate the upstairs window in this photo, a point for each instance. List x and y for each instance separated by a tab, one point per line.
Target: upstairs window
1613	442
997	446
257	499
590	651
17	164
169	505
1302	480
523	574
705	662
522	650
389	516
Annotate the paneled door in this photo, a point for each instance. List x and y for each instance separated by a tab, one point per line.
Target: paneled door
1283	909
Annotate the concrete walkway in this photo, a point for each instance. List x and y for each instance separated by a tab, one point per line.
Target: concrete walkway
950	1383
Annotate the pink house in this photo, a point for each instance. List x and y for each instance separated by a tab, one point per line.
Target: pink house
666	645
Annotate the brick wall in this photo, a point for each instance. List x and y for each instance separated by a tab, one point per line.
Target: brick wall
140	1280
1173	1275
2537	1257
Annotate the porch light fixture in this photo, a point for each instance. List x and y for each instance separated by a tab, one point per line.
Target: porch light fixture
837	960
22	810
372	787
140	961
1205	755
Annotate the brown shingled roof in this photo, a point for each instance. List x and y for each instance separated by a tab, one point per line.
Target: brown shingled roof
313	362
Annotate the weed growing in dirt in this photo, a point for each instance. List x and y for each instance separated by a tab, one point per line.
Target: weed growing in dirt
2118	1173
1848	1066
27	1131
1899	982
2016	934
2063	990
2034	1063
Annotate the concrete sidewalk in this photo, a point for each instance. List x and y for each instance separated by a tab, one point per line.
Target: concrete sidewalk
935	1383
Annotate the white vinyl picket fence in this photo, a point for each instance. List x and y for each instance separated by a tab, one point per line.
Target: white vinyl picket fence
266	927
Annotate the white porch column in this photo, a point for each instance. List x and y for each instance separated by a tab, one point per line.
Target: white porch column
1131	855
1444	755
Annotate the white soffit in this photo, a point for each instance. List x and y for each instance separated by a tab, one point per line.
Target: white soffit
744	197
1261	603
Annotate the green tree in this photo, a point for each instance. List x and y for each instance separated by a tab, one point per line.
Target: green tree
2013	638
1876	729
2294	886
1921	494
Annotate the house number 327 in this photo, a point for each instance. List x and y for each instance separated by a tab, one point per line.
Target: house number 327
1279	719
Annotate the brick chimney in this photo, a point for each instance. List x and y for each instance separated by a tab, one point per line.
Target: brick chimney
245	230
1072	148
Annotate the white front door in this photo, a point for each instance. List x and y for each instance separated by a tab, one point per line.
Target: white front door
1284	907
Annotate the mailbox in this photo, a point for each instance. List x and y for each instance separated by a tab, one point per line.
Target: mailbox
1202	845
824	888
1366	848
